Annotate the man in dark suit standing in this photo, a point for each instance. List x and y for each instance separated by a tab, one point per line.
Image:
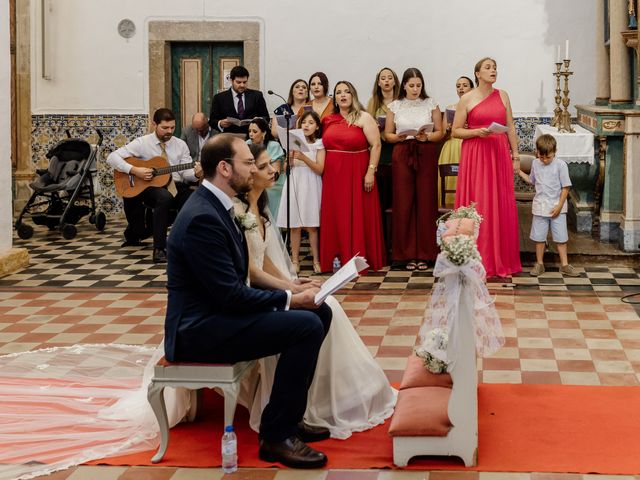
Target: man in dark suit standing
197	134
238	102
213	316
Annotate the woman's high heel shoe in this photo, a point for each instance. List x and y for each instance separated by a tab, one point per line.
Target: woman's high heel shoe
296	266
316	267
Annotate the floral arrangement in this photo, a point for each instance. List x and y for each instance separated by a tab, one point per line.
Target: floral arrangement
433	350
246	221
457	233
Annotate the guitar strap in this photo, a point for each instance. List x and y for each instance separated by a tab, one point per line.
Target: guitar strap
171	186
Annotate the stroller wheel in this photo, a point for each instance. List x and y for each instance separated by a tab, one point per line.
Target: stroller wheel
100	221
24	231
69	231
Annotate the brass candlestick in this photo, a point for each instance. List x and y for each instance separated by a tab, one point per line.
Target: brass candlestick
557	111
564	122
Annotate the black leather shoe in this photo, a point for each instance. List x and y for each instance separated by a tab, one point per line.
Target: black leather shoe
292	452
309	433
159	255
133	243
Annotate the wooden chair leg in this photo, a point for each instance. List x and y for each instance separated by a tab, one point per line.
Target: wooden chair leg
155	396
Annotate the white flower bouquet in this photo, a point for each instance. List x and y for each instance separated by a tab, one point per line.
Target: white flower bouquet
247	221
459	249
433	350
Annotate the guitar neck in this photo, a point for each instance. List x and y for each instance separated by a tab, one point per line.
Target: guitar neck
173	168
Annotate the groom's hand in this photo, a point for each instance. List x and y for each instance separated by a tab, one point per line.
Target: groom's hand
305	299
301	284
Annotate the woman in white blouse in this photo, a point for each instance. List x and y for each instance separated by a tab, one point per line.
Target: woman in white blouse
414	125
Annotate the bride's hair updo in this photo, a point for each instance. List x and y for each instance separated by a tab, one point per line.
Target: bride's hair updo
263	201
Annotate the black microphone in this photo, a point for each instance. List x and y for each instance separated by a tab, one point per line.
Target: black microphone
271	92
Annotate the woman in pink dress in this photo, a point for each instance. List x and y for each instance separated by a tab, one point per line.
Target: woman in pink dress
487	165
350	219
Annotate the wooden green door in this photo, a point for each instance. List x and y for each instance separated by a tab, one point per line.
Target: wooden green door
197	74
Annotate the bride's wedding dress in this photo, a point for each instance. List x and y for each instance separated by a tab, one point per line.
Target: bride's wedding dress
350	392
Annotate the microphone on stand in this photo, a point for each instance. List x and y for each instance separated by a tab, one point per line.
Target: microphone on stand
271	92
287	118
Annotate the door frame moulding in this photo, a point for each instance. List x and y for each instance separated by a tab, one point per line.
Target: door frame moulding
162	33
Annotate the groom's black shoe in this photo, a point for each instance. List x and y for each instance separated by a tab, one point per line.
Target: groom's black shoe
292	452
309	433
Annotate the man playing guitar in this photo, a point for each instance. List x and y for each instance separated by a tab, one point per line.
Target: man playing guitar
159	143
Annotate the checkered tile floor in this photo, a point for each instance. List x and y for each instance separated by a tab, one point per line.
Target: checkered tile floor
558	330
96	259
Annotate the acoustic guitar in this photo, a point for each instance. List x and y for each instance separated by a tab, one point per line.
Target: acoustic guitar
128	185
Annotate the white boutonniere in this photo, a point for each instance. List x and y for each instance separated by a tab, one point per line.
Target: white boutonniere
246	221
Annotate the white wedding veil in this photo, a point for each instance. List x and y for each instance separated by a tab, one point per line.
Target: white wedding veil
63	406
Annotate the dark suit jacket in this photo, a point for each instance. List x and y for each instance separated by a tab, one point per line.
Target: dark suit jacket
190	136
223	107
208	300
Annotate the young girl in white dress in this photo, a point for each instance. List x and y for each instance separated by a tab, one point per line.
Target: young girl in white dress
350	392
306	190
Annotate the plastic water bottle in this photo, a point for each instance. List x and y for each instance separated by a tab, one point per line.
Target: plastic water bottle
229	450
336	263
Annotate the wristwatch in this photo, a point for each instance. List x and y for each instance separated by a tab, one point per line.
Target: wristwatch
373	167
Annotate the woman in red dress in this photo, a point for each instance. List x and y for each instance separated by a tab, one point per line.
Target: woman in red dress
487	164
350	221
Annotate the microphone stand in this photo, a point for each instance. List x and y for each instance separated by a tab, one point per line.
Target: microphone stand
287	117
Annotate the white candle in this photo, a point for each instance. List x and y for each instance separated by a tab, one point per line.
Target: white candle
566	50
557	53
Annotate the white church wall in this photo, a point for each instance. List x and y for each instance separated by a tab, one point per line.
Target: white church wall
94	70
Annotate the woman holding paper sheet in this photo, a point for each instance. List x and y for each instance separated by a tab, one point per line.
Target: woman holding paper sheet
350	392
298	97
385	91
414	125
487	165
451	149
259	133
350	221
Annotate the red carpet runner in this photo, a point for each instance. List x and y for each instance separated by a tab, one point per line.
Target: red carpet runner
522	428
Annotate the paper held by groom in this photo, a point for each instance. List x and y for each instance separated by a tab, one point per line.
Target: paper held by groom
348	272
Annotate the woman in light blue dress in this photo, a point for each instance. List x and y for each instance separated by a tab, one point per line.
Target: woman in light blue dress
259	133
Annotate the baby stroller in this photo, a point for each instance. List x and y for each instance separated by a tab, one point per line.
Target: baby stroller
60	192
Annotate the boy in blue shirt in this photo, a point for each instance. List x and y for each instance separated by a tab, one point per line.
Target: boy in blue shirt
551	180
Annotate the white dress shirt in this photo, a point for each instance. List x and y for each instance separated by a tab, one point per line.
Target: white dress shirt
234	95
227	203
147	147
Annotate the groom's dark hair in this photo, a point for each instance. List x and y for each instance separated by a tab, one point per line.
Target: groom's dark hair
214	151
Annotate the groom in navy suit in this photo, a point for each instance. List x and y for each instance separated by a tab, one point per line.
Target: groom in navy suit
238	102
213	316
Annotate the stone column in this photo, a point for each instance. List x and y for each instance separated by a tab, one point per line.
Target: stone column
603	87
11	259
630	221
619	55
23	174
638	64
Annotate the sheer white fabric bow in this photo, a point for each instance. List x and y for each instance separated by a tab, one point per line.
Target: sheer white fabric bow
444	307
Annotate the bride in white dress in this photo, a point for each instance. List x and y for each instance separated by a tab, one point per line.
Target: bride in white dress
350	392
